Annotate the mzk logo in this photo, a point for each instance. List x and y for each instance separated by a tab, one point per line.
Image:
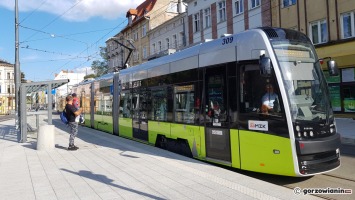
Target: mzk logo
258	125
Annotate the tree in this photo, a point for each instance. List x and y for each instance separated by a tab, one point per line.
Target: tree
100	67
23	80
89	76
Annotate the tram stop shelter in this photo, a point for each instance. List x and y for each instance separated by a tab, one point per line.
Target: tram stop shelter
27	88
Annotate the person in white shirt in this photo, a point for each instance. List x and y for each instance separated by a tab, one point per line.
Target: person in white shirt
268	99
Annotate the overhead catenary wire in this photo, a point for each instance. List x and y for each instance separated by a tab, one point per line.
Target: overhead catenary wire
63	66
111	30
56	18
51	36
29	15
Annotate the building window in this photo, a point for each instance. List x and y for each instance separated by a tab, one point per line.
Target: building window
207	13
348	24
239	6
136	55
144	30
144	50
196	22
222	11
8	89
254	3
8	76
319	32
287	3
174	41
153	48
159	46
135	35
182	38
167	41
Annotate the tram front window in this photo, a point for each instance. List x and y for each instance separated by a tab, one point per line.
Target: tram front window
304	82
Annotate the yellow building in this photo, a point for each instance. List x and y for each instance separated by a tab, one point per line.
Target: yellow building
7	88
330	24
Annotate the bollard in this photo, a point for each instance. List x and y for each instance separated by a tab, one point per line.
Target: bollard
45	137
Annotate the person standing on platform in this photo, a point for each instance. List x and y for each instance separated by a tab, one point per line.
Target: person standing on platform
72	113
76	104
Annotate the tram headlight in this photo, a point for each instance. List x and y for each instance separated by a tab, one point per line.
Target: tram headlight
311	133
298	128
332	130
305	134
299	134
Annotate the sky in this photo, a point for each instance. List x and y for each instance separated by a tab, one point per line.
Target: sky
57	35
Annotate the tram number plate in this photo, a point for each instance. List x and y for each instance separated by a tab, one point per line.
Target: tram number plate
217	132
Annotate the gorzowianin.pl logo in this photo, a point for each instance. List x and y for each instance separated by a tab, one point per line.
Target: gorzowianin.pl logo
327	190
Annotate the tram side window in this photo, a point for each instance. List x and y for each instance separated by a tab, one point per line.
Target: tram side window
159	105
125	105
184	98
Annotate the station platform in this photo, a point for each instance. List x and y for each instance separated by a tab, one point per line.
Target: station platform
111	167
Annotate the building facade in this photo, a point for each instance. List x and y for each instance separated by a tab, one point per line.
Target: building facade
330	24
169	37
7	88
211	19
147	16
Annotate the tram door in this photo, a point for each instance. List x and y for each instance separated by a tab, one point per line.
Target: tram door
140	118
217	130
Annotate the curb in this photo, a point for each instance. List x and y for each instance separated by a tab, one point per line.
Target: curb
348	141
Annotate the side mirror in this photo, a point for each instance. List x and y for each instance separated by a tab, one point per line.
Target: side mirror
265	66
333	68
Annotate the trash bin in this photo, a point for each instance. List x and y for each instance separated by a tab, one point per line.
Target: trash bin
45	137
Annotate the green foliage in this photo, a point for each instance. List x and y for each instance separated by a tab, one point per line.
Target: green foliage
23	80
100	67
90	76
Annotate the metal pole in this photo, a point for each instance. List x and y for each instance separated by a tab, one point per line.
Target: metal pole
49	105
17	71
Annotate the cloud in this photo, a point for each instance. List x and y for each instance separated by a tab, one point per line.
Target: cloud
76	10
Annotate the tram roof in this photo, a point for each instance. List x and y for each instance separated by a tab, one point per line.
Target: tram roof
189	52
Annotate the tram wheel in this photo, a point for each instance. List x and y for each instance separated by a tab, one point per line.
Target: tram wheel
161	142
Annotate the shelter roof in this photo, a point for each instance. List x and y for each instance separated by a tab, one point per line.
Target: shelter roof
43	85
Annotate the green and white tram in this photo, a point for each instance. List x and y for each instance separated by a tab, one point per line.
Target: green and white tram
206	102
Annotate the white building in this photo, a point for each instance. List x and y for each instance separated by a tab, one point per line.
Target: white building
7	87
62	91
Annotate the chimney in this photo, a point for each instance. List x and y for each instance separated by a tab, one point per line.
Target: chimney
130	20
179	6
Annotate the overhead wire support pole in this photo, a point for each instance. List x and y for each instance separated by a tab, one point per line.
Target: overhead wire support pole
17	75
130	49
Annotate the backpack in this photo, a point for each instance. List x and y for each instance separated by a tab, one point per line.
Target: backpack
63	117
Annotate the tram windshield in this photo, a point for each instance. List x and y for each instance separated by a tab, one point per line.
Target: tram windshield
304	82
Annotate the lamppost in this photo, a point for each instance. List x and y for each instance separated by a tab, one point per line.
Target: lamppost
17	70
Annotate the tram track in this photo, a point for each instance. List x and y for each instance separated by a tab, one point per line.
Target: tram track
339	177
